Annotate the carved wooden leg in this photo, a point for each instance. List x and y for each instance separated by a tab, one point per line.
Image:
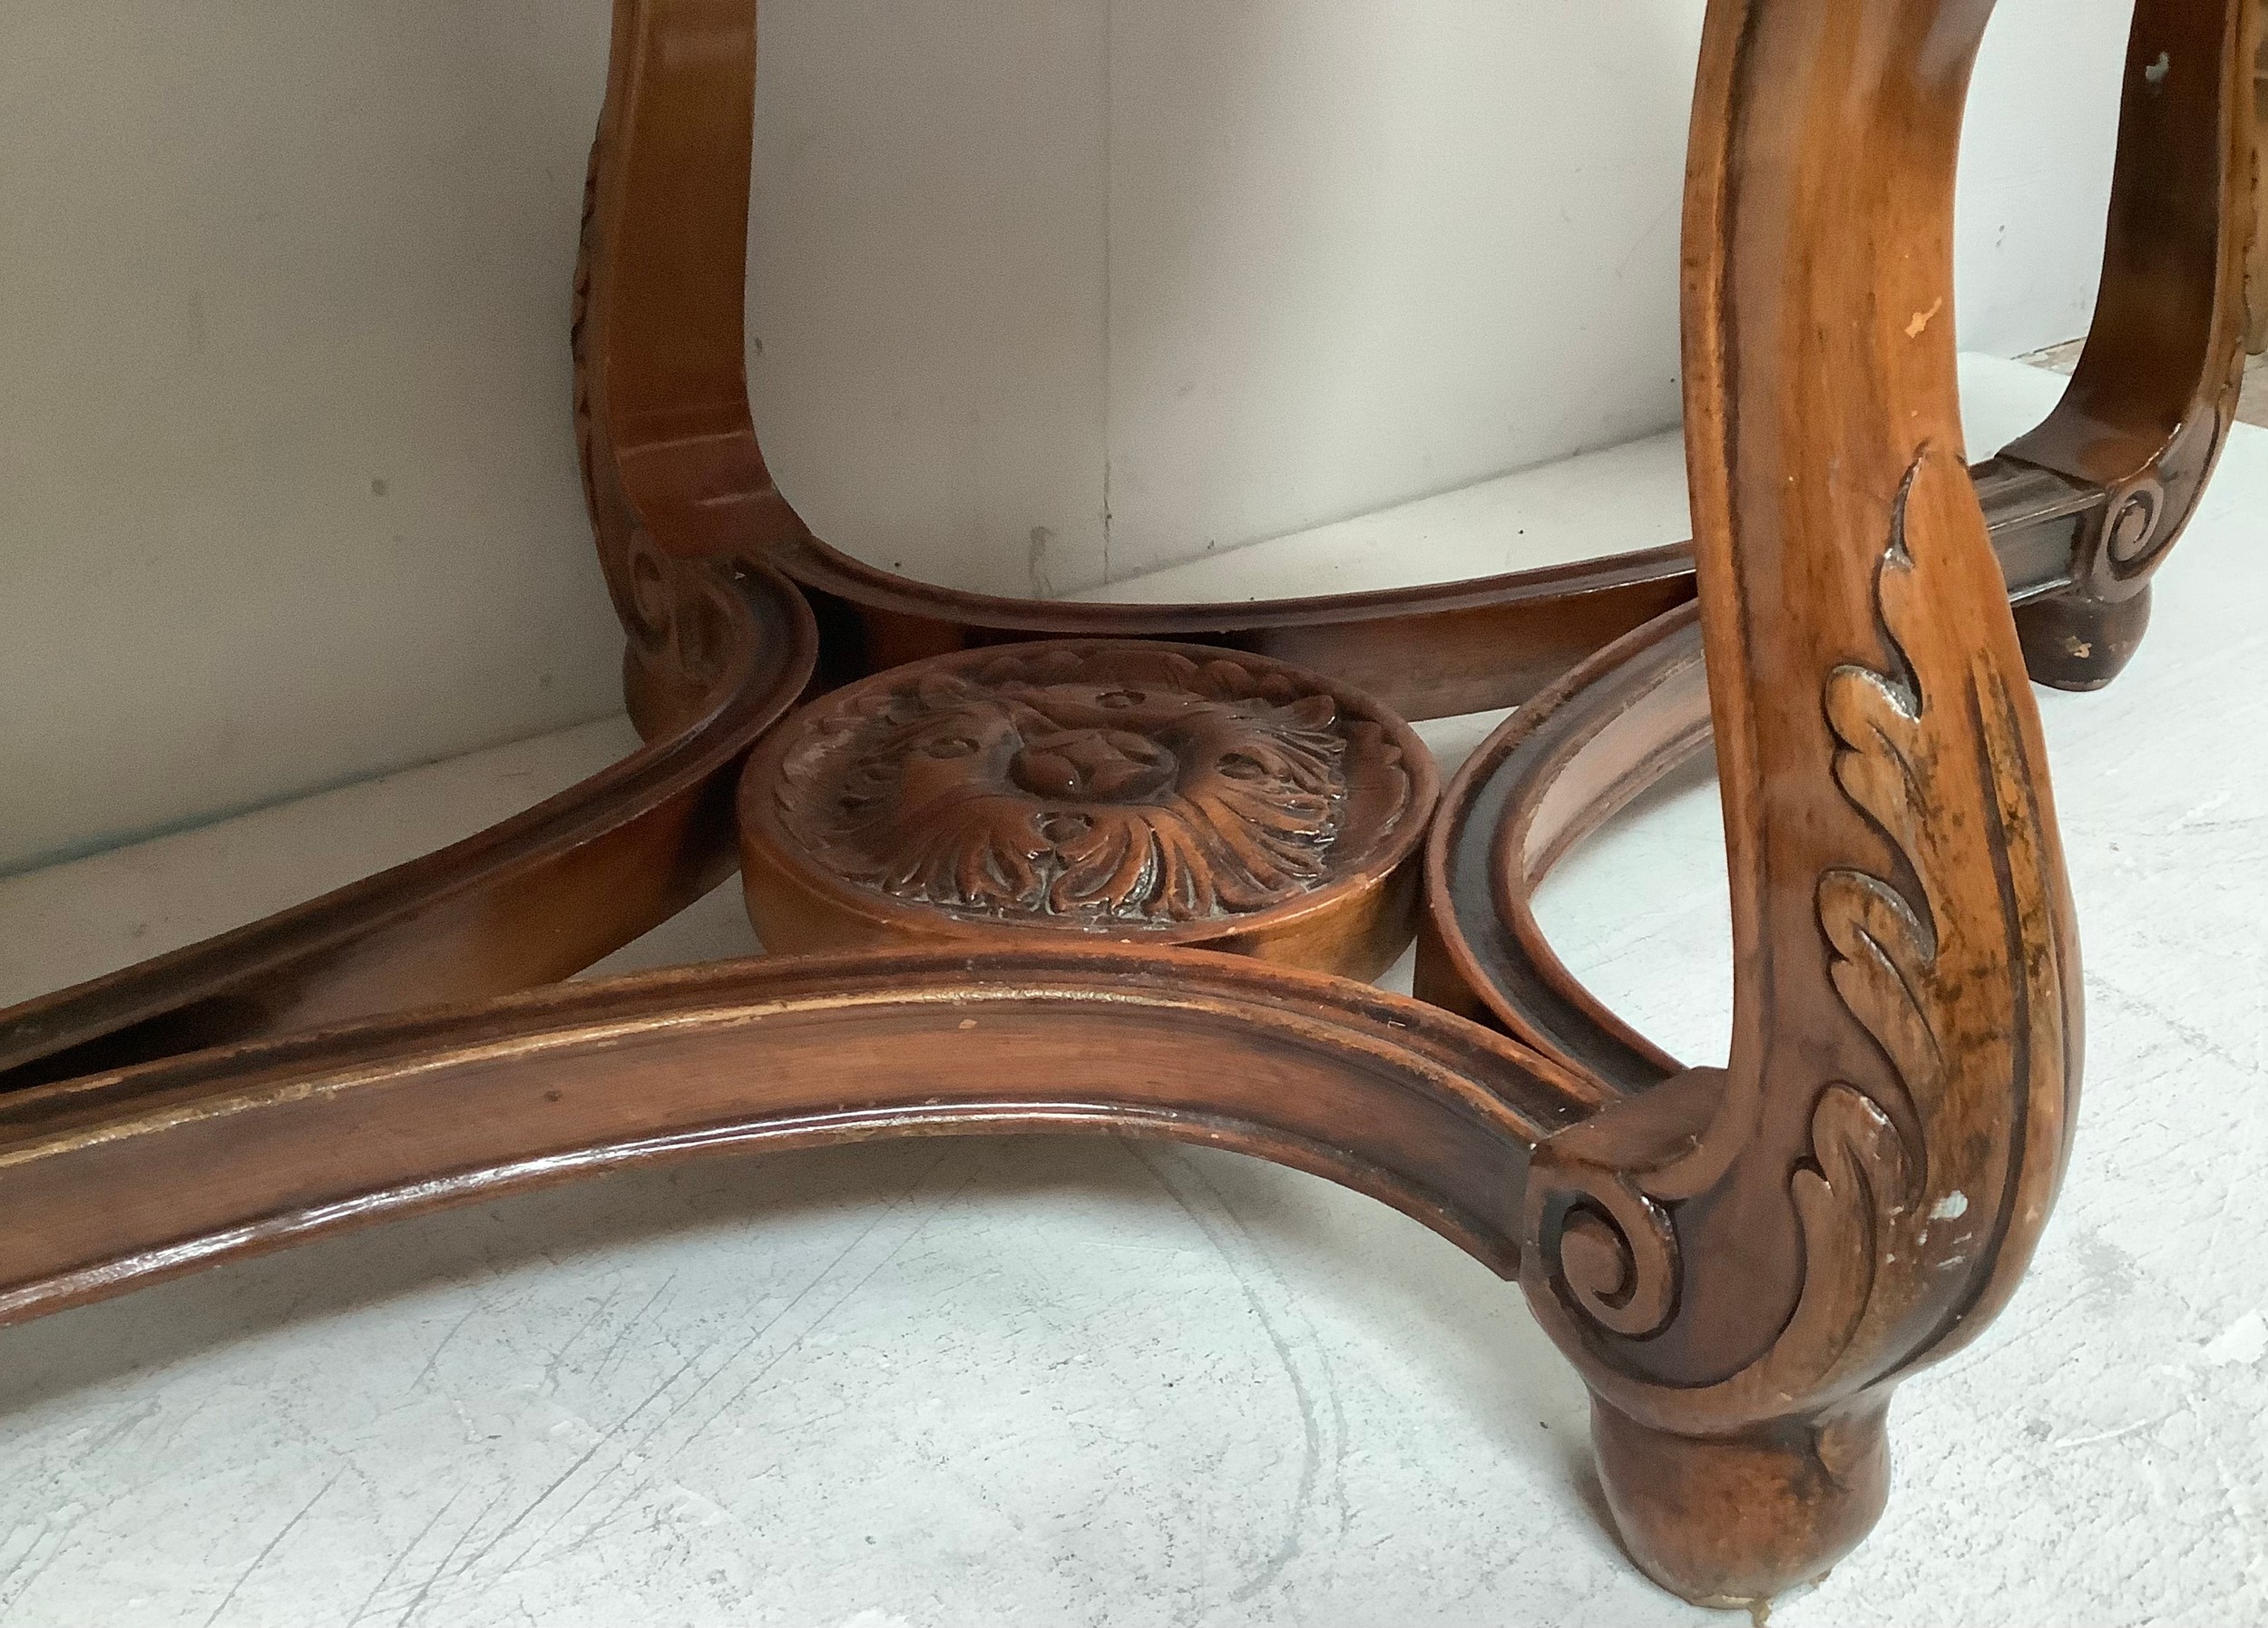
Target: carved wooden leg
1744	1262
2083	509
2150	406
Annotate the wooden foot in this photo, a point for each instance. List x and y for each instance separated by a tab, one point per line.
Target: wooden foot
2073	643
1733	1521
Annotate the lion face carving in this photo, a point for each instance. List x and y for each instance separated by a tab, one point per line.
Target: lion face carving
1108	784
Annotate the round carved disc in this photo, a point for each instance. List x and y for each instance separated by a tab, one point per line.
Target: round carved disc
1151	792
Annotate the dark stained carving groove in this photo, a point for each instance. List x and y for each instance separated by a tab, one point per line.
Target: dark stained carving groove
1113	783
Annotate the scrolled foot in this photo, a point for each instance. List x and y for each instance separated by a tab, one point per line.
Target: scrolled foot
1733	1521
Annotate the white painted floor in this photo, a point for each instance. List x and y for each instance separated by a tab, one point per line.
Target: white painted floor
1060	1382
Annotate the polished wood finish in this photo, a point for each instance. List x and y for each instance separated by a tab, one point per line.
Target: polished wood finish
1141	793
116	1180
2156	391
666	259
673	470
718	651
1547	776
1632	713
1742	1262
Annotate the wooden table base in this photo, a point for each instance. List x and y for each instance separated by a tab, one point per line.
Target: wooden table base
1742	1262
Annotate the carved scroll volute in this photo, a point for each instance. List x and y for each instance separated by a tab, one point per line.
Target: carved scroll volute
1742	1262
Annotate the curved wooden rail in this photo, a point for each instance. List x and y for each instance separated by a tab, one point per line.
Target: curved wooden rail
2147	416
535	898
665	380
1430	651
117	1180
1547	776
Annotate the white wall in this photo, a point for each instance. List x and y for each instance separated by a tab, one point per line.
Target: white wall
1284	261
288	491
2035	173
1047	293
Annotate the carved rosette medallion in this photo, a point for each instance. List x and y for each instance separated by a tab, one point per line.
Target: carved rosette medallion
1159	791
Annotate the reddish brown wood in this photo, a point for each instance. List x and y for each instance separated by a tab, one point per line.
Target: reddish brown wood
1147	794
665	256
1632	713
1547	778
2150	406
117	1180
717	653
1743	1262
666	437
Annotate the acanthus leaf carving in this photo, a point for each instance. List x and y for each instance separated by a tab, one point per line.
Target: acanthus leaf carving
1904	1209
1110	784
